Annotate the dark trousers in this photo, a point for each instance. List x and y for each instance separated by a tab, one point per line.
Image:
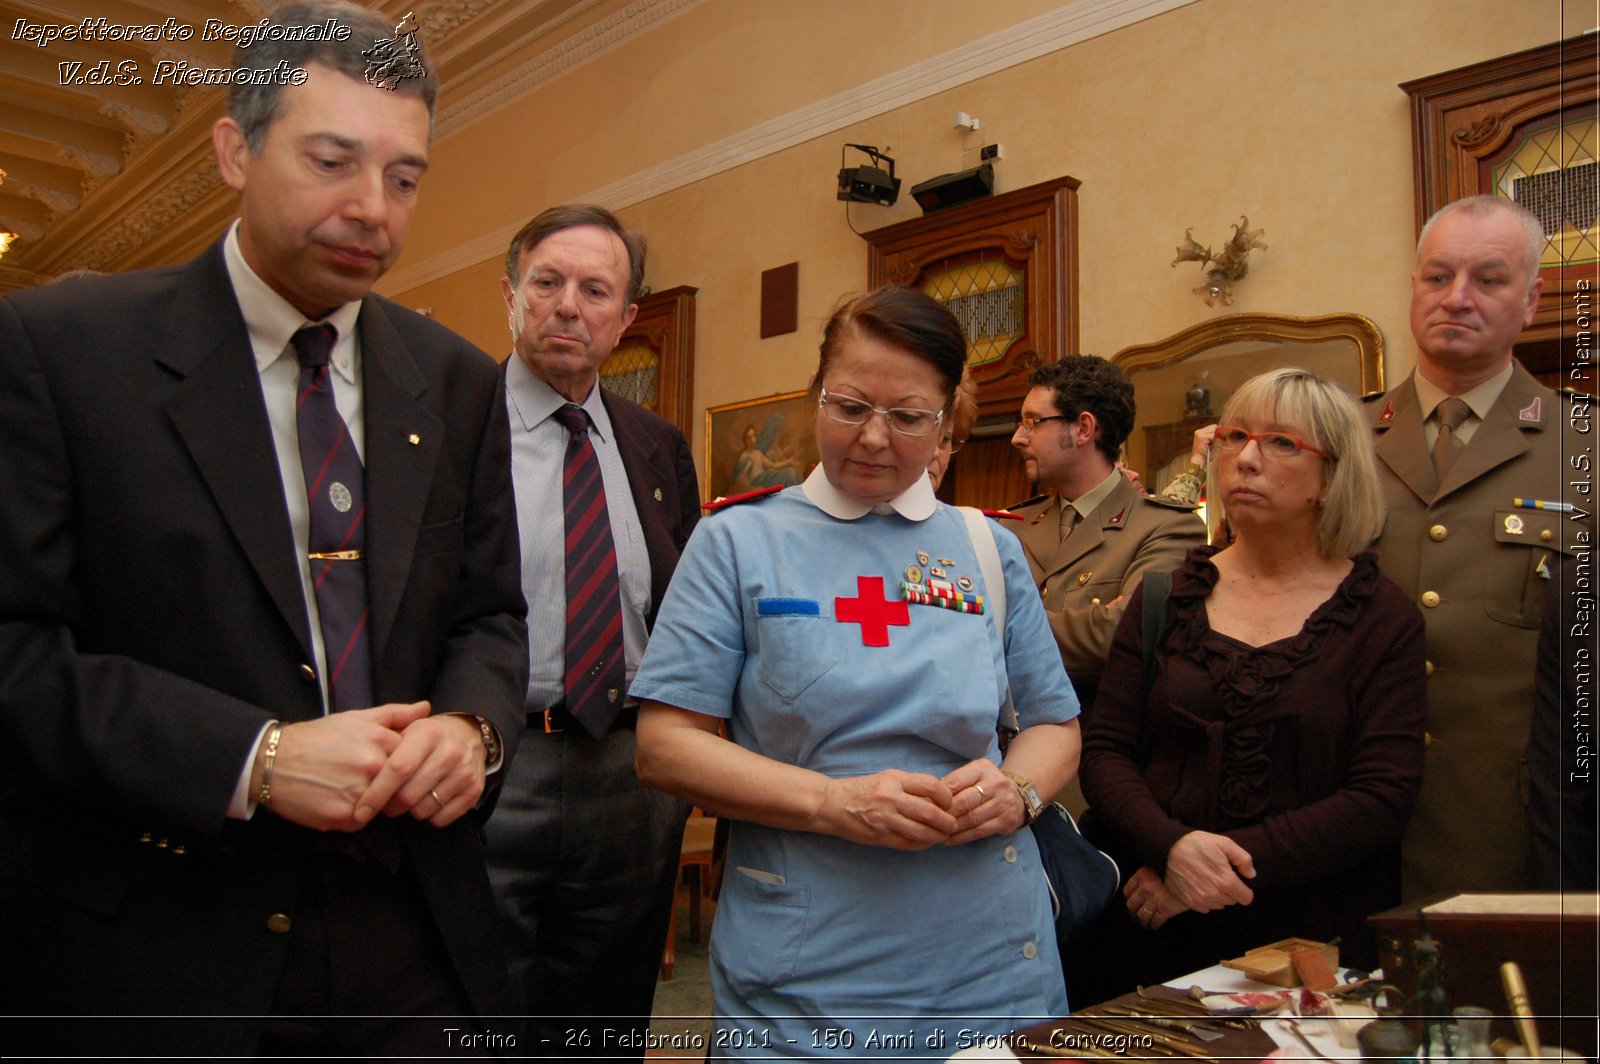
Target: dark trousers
367	974
583	859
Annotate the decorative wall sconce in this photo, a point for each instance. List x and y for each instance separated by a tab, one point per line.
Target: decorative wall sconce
1221	270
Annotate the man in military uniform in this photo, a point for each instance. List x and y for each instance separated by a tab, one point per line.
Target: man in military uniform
1472	451
1091	536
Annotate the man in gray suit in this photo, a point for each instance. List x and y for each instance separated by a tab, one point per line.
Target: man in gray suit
582	856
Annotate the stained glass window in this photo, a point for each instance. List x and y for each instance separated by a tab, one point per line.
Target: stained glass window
632	371
987	297
1553	173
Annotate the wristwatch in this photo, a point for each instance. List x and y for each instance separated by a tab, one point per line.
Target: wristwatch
491	744
1032	804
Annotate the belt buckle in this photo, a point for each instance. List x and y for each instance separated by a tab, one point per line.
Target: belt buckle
549	727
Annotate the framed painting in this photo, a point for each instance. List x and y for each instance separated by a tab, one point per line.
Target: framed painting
760	443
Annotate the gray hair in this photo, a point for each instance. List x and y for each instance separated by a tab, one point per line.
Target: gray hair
255	106
1330	419
1481	206
570	216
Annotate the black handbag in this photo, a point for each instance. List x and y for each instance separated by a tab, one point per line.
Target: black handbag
1083	879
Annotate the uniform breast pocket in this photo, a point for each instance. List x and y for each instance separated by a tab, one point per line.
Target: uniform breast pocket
1525	563
793	644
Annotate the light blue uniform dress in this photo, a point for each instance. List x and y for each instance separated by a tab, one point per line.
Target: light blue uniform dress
824	947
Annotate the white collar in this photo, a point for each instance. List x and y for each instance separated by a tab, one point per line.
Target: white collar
916	503
272	321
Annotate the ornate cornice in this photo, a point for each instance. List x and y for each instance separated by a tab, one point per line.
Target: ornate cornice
150	218
443	17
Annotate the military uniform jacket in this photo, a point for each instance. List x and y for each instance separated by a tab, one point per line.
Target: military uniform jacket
1105	556
1479	567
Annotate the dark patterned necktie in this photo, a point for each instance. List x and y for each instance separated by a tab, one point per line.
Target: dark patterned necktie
594	664
335	492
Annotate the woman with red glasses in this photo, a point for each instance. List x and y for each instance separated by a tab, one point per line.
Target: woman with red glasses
1260	780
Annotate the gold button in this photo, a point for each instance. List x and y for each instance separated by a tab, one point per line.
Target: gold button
1427	667
1437	533
180	849
1545	536
161	844
1427	738
145	837
308	674
1430	599
1095	601
278	923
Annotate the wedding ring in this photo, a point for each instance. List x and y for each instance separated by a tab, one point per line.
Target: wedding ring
435	795
979	788
1144	913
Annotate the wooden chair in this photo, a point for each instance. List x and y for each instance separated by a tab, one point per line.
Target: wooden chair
694	867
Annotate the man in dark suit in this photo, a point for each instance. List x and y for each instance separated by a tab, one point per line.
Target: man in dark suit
582	856
215	839
1459	442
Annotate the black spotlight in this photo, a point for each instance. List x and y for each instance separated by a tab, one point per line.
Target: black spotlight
868	184
950	190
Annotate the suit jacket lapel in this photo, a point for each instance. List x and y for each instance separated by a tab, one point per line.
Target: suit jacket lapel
403	441
1090	532
651	481
1401	445
219	413
1524	406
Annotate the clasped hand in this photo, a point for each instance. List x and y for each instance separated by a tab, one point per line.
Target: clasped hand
913	810
337	772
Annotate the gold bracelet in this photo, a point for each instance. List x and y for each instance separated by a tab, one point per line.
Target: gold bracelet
264	798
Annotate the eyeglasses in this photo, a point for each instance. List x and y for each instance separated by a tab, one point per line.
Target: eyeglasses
1026	425
906	420
949	443
1273	444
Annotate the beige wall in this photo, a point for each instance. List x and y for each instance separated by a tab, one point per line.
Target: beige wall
1286	112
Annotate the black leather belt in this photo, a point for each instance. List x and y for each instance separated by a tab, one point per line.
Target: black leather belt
555	718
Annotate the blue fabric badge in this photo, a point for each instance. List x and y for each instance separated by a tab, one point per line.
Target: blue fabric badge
779	607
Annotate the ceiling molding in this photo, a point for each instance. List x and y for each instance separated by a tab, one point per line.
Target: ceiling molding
591	42
1052	31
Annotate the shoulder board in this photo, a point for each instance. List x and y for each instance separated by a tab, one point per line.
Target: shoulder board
1029	502
1171	504
724	501
1000	515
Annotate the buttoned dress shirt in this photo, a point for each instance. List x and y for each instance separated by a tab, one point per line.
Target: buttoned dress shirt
538	448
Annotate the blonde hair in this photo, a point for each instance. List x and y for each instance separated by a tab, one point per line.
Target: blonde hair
1329	419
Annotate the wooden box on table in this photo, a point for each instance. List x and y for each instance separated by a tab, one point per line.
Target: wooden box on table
1553	937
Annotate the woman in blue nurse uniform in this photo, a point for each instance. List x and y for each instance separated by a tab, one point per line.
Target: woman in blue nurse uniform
882	896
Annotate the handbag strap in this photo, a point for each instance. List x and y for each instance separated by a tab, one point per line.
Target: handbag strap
1157	591
994	586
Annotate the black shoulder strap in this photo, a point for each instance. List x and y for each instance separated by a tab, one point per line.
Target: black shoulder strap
1157	590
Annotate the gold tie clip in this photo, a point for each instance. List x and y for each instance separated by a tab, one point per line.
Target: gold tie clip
335	556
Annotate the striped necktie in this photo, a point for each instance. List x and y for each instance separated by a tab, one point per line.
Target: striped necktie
594	674
335	493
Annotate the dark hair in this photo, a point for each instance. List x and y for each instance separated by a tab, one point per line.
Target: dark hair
255	106
570	216
906	318
1088	382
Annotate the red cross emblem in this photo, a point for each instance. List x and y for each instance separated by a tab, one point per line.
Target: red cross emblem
871	611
